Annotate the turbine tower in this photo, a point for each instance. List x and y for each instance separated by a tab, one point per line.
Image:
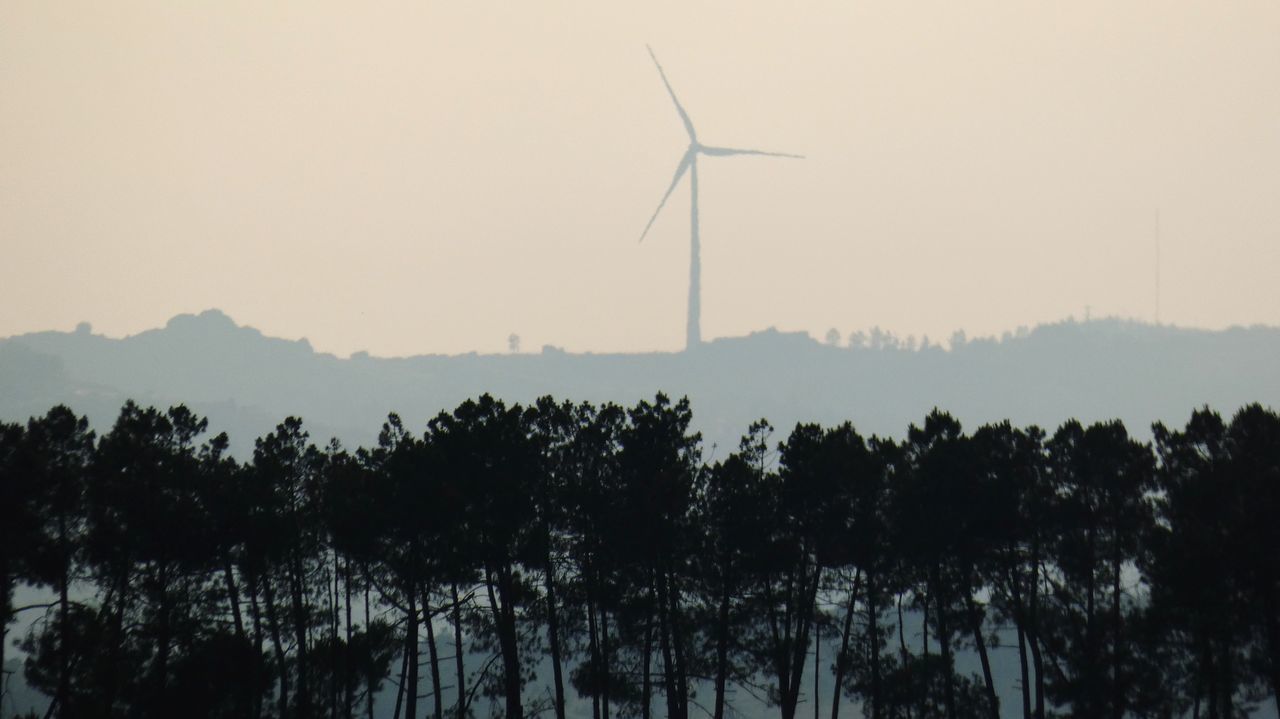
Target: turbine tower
689	164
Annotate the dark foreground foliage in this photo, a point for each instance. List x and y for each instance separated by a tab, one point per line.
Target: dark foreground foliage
596	545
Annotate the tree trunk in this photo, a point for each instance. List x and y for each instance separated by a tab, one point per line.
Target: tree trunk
1091	669
606	667
370	680
1117	637
117	636
160	669
457	652
437	699
944	646
348	699
510	655
817	667
254	613
300	623
975	623
335	655
553	636
273	623
64	607
1037	667
411	647
1033	625
804	619
722	650
779	636
646	679
842	659
679	645
924	625
1272	623
504	624
1019	620
593	648
1226	682
1022	667
404	678
64	638
233	597
904	654
902	633
1212	677
664	642
6	613
873	647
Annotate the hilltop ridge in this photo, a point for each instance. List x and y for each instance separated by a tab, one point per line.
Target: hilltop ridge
246	381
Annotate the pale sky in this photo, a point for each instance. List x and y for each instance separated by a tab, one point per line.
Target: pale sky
422	177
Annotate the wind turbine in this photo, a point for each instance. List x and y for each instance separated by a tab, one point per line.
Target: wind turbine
689	164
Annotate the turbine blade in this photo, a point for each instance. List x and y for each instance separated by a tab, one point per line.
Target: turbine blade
682	168
726	151
684	116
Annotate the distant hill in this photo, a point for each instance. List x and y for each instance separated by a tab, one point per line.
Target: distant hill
246	382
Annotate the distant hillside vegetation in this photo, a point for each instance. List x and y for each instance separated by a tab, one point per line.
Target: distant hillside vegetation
246	382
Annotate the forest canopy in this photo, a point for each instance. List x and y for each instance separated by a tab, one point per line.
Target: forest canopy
537	556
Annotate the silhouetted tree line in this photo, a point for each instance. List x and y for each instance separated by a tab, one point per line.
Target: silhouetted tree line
594	544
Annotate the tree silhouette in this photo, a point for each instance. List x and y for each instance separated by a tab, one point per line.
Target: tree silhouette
18	532
1101	478
730	513
1254	440
486	452
1128	579
1016	503
660	470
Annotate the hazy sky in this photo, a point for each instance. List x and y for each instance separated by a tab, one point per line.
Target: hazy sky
431	177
